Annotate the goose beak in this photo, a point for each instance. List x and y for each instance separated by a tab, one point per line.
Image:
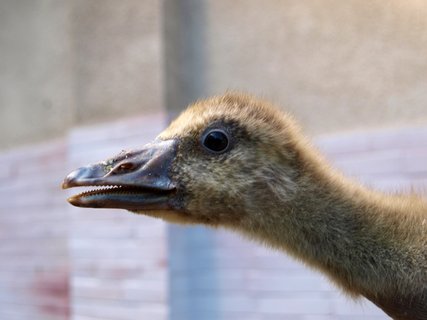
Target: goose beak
132	180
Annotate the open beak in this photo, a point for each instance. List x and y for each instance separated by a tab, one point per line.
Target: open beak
133	180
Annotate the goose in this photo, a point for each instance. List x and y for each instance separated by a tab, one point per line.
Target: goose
238	162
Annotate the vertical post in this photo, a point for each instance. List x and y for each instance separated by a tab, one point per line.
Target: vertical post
184	45
185	81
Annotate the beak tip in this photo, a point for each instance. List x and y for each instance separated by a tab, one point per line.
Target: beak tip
73	201
70	179
65	184
68	182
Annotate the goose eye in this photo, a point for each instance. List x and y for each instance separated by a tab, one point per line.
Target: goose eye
216	141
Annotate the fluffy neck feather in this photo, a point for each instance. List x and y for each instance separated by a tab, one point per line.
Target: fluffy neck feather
366	242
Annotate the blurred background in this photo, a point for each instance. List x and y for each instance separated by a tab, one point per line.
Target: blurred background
81	80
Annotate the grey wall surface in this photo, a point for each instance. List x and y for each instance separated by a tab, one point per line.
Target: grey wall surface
117	67
36	96
66	63
336	65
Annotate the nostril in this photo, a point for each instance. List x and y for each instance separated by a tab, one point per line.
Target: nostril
124	168
127	166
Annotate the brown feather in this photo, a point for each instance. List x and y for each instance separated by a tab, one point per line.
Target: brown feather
274	186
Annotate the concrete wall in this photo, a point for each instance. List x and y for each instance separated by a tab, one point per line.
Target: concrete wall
36	96
66	63
117	65
335	64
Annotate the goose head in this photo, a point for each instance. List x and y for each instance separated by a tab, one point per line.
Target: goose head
223	160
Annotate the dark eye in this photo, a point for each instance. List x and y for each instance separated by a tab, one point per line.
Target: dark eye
216	140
